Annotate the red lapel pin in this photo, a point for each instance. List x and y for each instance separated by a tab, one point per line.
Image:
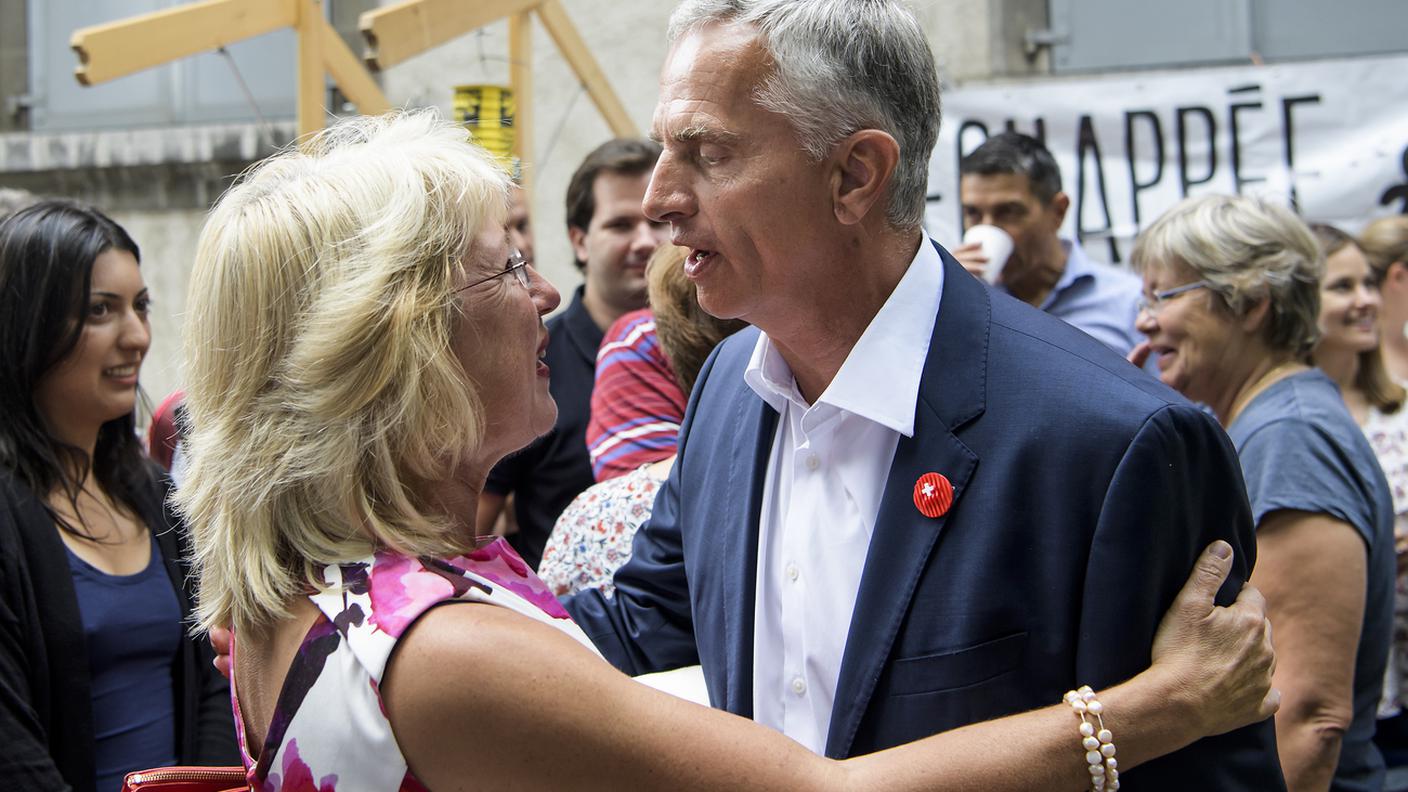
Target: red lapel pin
933	494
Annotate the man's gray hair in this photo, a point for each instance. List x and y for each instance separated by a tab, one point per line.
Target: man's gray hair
842	66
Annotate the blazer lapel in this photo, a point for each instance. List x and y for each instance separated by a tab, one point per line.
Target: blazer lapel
952	393
752	431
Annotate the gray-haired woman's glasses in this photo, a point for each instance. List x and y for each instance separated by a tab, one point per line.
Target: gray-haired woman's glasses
1154	302
516	264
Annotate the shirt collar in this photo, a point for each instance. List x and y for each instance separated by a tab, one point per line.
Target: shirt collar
892	351
1078	267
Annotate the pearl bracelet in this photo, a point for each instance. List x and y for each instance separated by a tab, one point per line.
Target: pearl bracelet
1098	743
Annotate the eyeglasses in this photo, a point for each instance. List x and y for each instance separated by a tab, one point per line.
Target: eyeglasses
1155	301
516	264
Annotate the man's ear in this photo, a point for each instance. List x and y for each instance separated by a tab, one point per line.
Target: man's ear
1060	204
578	238
865	162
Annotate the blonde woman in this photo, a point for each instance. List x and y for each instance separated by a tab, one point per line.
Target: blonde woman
364	348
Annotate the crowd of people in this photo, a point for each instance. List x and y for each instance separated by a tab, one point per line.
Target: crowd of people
913	523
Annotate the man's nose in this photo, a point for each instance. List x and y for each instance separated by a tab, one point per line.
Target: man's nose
667	198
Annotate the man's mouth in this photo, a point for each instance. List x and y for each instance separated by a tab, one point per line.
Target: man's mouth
697	262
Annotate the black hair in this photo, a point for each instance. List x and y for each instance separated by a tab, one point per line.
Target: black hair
47	252
1015	153
625	156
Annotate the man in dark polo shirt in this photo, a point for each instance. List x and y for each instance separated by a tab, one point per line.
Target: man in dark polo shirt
612	240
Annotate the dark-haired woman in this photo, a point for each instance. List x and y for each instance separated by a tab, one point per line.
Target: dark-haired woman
97	674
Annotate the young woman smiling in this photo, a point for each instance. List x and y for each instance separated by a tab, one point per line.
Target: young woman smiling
97	675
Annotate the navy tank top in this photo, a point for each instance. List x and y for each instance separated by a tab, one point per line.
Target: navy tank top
132	627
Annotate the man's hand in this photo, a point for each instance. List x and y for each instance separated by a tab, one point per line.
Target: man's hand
220	642
972	258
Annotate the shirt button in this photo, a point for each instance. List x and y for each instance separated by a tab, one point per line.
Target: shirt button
813	462
799	685
792	572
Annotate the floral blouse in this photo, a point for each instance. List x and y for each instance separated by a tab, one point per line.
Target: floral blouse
329	730
592	538
1388	434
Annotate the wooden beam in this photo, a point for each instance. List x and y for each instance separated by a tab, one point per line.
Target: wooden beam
312	81
350	75
579	57
397	32
116	49
520	71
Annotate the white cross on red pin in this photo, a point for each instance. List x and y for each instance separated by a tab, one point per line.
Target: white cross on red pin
933	495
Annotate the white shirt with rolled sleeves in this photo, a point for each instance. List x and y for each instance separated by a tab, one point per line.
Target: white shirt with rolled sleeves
825	478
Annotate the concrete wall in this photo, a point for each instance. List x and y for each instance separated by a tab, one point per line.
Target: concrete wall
14	64
168	241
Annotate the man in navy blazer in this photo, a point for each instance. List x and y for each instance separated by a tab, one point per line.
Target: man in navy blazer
1081	490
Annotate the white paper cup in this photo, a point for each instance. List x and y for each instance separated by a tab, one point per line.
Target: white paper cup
997	247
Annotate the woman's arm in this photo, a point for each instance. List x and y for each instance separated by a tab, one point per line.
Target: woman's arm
1312	568
481	696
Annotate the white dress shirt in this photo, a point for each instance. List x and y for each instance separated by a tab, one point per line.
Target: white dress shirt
824	481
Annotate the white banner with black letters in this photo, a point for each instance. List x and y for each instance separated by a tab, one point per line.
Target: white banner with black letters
1329	137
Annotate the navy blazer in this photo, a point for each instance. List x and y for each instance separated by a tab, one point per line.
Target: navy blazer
1083	492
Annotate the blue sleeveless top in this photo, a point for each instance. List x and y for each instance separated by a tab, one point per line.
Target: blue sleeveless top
132	628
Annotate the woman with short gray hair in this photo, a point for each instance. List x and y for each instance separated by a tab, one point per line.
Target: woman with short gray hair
1231	307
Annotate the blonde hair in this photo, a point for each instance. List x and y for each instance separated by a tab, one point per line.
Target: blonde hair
1249	250
1384	242
323	394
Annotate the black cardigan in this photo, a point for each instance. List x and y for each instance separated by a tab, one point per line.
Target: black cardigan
46	712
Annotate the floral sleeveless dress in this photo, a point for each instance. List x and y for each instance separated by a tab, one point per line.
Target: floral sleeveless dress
329	730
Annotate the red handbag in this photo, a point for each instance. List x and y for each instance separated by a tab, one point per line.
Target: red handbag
187	779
